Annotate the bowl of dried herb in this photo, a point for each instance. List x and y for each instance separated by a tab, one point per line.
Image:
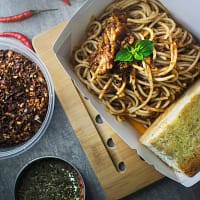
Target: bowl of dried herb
26	98
50	178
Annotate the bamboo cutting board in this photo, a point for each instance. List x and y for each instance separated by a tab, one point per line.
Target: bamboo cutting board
118	168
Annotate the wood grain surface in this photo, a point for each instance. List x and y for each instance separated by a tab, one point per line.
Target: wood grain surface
118	168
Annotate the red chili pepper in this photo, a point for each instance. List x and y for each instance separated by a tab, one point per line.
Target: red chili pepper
67	2
19	36
21	16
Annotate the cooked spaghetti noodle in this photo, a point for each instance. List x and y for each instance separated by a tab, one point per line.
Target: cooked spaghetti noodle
141	90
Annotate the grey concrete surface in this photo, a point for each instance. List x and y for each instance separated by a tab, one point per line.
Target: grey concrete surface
66	144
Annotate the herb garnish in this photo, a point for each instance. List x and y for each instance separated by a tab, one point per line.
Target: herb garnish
141	49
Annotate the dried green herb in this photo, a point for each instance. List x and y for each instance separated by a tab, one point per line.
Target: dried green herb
50	179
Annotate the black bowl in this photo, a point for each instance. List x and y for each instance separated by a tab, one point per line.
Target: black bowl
49	178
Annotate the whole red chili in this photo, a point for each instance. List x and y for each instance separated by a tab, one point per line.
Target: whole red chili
67	2
21	16
19	36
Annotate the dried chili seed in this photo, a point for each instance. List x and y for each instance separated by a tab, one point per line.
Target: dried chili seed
23	98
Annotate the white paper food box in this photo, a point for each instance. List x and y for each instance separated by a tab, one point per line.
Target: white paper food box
186	13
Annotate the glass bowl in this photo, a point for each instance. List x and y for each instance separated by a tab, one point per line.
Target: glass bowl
7	151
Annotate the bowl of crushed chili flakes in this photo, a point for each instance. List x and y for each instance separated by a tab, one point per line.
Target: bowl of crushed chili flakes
49	177
26	98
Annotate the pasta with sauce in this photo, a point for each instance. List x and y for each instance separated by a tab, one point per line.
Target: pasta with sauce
140	90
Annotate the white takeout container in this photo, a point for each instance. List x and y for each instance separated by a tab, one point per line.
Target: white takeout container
73	34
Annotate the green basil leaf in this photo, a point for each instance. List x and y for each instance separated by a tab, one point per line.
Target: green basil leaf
141	49
138	56
144	47
123	55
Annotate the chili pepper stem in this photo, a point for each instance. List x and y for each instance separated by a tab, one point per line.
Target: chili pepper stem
40	11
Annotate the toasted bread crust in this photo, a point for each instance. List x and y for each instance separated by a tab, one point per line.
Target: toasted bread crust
176	137
191	165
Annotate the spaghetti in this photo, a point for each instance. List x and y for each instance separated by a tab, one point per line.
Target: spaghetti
141	90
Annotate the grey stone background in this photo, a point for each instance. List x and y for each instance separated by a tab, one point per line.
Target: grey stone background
66	144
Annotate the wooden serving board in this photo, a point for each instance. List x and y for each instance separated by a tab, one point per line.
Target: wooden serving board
118	168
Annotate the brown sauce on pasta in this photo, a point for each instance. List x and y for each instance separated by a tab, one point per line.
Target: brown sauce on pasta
137	90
